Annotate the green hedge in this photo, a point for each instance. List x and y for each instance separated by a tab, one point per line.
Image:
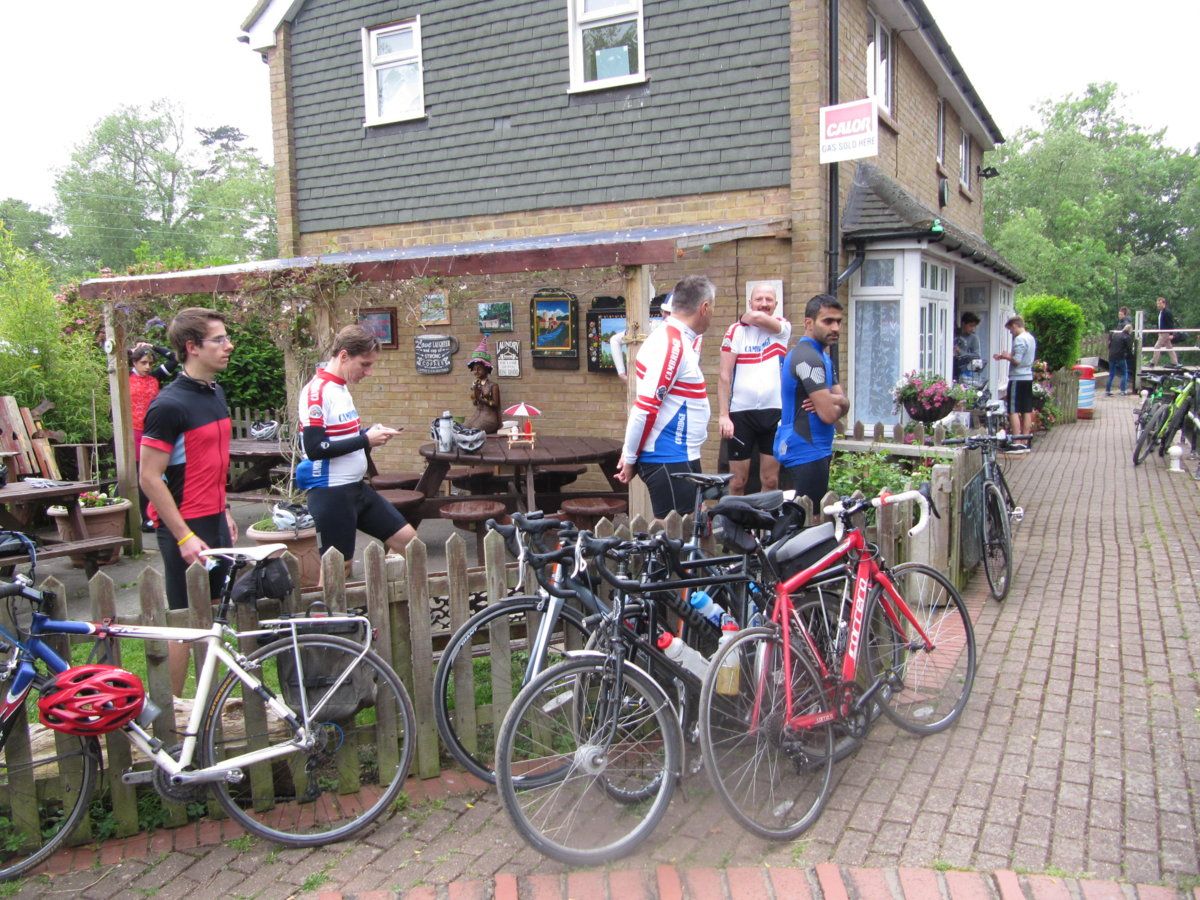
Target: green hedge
1057	324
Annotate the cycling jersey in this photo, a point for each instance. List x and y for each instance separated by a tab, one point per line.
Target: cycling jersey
802	436
334	443
758	356
669	420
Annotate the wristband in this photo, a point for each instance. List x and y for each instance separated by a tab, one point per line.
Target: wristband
187	537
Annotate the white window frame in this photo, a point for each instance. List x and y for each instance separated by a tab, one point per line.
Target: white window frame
578	20
964	160
881	72
941	131
372	65
895	288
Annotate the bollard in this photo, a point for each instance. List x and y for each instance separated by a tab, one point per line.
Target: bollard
1176	454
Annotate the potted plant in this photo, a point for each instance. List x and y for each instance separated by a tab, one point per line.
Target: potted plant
300	537
928	397
104	515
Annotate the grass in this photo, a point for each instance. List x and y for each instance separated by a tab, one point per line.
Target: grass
240	844
316	879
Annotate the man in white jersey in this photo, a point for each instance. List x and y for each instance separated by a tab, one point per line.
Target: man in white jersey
335	445
748	390
669	421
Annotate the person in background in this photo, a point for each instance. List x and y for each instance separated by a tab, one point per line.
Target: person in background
812	402
144	384
1120	345
185	463
748	391
668	423
1020	378
966	346
1166	333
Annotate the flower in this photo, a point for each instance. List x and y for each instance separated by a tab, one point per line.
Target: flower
929	390
95	499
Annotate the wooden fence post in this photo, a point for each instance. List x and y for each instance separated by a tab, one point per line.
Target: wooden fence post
153	600
460	610
387	717
499	633
117	748
421	638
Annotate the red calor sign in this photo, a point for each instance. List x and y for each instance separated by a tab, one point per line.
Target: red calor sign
849	130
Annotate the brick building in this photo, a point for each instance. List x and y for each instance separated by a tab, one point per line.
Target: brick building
443	130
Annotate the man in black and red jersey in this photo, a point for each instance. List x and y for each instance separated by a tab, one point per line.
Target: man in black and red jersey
185	462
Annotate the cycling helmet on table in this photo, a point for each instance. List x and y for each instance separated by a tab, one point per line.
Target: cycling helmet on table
91	699
264	430
468	440
291	517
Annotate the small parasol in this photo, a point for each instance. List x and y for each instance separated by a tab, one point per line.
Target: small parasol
524	411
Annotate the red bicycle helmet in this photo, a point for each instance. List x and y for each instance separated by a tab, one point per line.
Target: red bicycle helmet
92	699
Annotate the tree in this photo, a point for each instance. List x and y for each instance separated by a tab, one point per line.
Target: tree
1098	209
30	229
141	178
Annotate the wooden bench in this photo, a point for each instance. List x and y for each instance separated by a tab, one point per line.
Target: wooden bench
552	479
470	515
90	549
585	512
405	501
386	481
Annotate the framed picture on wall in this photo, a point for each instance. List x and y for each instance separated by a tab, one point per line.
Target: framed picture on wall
435	308
382	324
554	327
496	316
604	319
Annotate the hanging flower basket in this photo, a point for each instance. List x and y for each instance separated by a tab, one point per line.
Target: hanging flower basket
918	412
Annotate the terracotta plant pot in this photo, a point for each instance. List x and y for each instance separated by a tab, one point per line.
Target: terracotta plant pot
301	544
102	521
919	413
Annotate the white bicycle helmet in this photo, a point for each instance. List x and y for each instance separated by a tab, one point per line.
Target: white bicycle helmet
291	517
264	430
468	440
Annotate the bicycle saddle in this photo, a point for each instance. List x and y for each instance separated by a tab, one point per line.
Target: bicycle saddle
704	480
765	500
257	553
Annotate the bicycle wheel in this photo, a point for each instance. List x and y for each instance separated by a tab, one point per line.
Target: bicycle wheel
1177	415
997	541
773	778
46	783
1145	441
924	690
585	774
490	653
364	728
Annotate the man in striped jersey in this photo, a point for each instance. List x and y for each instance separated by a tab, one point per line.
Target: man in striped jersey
335	446
669	421
748	391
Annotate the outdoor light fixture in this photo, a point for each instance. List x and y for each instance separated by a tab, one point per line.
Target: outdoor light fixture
989	172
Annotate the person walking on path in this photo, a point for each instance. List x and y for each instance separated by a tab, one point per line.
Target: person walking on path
668	423
1020	378
1166	333
748	390
812	402
185	463
335	449
1120	345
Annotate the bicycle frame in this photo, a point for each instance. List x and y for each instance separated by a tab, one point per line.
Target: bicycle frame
213	640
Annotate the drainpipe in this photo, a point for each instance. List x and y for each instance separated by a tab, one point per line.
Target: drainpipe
831	250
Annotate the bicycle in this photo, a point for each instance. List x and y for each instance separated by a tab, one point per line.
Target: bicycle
766	730
305	741
999	510
1167	416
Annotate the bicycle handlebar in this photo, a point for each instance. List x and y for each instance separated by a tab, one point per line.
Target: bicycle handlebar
845	508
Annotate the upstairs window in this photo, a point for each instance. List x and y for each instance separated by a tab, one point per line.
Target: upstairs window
393	79
880	63
964	161
941	132
607	46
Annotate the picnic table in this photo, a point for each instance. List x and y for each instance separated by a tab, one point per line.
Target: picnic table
21	499
260	457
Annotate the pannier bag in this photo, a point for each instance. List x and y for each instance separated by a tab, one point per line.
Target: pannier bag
321	670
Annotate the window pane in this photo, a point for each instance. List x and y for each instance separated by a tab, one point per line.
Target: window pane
610	51
394	42
399	90
591	6
879	272
876	360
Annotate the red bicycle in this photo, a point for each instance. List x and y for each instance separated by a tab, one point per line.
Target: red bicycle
776	696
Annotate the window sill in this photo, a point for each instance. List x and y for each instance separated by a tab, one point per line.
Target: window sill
372	123
966	193
885	117
942	171
607	84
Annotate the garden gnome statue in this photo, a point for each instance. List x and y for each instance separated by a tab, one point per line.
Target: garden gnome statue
485	394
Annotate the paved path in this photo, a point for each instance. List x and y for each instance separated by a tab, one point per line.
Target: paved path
1075	766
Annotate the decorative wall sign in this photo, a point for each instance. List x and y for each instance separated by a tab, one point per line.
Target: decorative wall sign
382	324
554	329
508	359
433	352
496	316
604	319
435	309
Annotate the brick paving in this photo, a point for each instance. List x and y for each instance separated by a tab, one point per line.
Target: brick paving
1073	772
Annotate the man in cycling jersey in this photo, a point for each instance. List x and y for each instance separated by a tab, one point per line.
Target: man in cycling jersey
669	421
812	402
335	450
748	390
185	463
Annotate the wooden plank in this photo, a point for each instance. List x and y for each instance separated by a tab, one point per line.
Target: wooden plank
12	413
422	657
387	718
8	442
460	611
152	596
43	452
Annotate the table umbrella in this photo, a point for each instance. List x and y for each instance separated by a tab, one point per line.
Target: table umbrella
525	411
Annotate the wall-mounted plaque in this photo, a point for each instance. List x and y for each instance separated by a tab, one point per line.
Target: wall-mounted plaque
508	359
433	352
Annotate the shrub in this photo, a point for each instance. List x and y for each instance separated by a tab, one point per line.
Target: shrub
872	473
1057	324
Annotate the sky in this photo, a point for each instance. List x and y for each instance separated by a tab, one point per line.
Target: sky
61	80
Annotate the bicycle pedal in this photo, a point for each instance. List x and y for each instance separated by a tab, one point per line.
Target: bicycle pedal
1017	514
137	776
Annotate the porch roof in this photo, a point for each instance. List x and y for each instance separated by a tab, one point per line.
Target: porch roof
879	209
578	250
